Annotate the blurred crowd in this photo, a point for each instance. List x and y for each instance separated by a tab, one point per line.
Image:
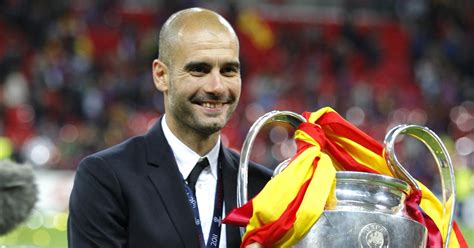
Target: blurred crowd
75	76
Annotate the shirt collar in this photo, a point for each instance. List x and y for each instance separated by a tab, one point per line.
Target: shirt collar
185	157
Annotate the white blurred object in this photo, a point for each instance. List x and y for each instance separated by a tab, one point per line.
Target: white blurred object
39	150
467	211
54	188
16	89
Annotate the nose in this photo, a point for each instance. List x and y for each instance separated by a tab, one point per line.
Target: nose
215	84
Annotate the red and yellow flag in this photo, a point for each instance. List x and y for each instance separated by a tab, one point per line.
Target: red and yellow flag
291	202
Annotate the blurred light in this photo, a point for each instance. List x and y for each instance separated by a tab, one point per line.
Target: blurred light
462	118
253	112
455	112
417	116
6	148
355	115
41	238
259	151
35	221
468	211
93	103
68	133
278	134
288	148
276	152
400	116
15	91
464	146
38	150
467	124
48	217
40	154
60	221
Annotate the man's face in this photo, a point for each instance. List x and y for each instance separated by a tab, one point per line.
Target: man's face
204	82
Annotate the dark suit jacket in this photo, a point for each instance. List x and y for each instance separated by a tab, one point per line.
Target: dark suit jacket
132	195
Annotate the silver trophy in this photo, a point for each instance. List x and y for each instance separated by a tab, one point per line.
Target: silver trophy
365	210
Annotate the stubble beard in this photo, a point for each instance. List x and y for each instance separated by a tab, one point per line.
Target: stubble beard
188	120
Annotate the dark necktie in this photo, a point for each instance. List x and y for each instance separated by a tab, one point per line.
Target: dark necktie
193	176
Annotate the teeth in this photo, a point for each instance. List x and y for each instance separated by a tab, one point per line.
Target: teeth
212	105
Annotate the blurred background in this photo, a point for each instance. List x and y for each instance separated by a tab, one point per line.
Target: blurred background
75	77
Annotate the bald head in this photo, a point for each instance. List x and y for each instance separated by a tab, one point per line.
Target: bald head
183	24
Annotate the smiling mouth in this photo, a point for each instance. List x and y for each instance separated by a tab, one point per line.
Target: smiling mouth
211	101
212	105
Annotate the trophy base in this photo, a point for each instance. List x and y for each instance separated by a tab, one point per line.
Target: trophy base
351	229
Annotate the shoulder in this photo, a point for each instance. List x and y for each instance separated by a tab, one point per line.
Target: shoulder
124	154
131	146
107	172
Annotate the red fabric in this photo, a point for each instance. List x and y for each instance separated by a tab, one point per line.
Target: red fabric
412	204
315	132
462	242
345	160
240	216
332	147
345	129
306	115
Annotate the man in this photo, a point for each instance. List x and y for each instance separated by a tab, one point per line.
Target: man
134	194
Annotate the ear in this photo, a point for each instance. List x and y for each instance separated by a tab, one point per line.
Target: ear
160	75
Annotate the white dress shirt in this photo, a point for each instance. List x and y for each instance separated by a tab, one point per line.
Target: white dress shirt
206	183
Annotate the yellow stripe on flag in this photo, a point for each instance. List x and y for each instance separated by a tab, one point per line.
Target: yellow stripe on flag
299	170
316	115
363	155
313	203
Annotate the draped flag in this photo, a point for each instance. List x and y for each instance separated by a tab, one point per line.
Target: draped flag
291	202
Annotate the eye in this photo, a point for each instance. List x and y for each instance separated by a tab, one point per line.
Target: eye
230	70
198	69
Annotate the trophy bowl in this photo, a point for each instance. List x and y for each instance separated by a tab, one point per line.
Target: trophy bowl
366	210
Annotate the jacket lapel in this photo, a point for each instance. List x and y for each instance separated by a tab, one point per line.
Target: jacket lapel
165	176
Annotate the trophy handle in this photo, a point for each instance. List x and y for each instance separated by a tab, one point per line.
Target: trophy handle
292	118
443	161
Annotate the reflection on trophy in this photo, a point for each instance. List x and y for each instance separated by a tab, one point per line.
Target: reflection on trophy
343	189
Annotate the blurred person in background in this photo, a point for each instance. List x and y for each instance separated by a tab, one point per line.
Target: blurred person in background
140	193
